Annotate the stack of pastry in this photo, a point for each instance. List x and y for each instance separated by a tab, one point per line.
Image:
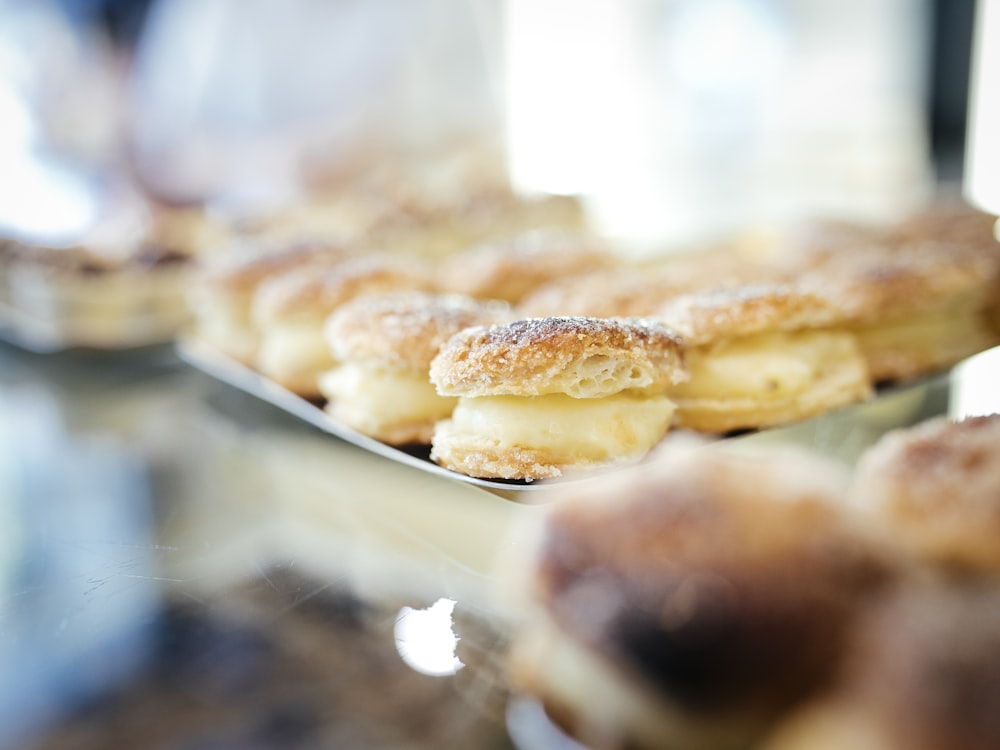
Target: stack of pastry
223	291
763	355
383	346
540	397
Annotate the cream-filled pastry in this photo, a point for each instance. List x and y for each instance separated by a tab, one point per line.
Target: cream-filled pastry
915	308
383	346
223	290
760	356
689	602
540	397
290	311
936	488
510	268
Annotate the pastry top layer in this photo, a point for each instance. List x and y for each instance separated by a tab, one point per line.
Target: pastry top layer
581	357
406	329
318	291
510	268
243	274
897	281
706	317
937	467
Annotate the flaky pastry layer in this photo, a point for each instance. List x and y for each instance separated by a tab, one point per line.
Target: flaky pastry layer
514	437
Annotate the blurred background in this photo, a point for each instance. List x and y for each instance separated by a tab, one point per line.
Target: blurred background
674	120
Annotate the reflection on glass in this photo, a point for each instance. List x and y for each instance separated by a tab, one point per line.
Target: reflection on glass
425	640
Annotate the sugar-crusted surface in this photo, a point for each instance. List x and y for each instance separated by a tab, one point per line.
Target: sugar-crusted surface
512	267
704	317
318	291
406	329
581	356
895	282
937	486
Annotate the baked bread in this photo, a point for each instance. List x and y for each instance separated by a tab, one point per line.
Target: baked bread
223	290
289	311
384	345
762	355
936	488
540	397
689	602
511	267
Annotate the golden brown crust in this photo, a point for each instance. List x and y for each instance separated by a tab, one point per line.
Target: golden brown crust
896	283
937	486
610	293
705	317
583	357
242	274
406	329
315	292
510	268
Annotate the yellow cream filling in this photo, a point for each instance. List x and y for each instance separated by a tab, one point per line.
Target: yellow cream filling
376	394
596	429
769	366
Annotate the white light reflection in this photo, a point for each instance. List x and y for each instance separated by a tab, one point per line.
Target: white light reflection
425	640
982	165
974	386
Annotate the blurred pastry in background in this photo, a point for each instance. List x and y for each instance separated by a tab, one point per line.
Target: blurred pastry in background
915	308
951	220
117	283
511	267
631	289
289	311
692	601
542	397
935	488
429	209
223	289
760	356
383	346
921	675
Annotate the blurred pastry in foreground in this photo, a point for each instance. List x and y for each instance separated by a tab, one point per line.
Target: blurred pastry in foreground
923	675
383	346
511	267
689	602
290	310
639	289
762	355
936	488
915	309
541	397
223	290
